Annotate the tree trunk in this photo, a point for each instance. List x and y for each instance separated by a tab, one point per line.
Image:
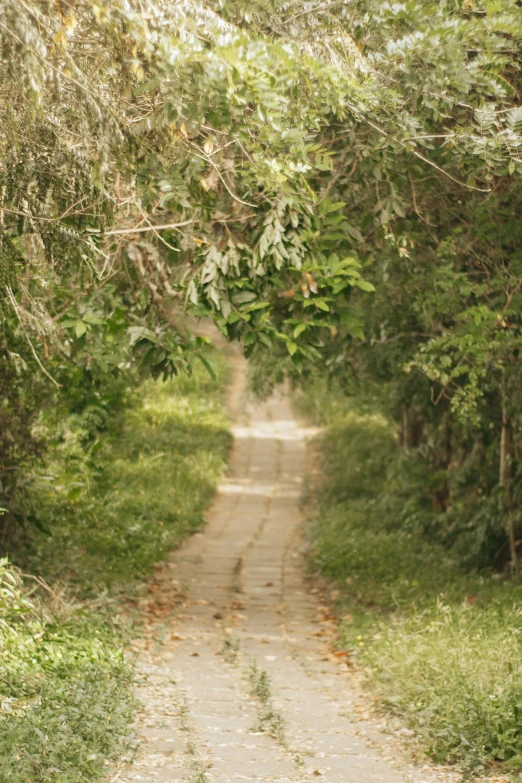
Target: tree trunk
412	427
505	477
405	428
441	496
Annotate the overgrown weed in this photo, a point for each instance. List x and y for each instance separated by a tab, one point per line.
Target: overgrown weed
259	683
230	649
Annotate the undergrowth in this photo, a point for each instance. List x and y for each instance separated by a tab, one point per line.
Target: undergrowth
102	512
442	645
65	689
110	508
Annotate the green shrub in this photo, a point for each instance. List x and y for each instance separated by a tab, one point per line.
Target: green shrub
455	672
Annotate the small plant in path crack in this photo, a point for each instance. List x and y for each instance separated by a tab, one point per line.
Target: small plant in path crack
270	720
259	683
230	649
198	774
183	717
197	764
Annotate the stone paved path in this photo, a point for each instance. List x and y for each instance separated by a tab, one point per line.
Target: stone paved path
236	686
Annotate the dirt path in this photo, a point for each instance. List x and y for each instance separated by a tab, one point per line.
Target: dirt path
235	684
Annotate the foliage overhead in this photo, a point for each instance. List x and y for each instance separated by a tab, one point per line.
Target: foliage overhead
337	184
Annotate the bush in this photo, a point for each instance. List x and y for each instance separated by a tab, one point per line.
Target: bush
455	673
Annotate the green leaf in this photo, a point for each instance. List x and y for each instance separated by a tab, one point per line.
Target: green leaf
137	333
208	364
243	297
322	305
364	285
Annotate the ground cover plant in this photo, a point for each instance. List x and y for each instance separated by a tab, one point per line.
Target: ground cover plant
66	689
111	507
441	641
104	511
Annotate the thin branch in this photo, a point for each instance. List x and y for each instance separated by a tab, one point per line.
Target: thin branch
221	177
399	336
139	230
155	230
67	213
319	7
426	160
510	296
415	207
14	305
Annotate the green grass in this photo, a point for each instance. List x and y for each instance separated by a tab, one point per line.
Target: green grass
114	509
65	689
442	646
104	511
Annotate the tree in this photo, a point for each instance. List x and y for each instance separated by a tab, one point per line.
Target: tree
318	178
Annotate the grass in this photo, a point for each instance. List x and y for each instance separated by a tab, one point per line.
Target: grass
104	513
114	510
442	646
65	688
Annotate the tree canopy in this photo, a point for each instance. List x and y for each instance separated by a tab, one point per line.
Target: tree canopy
336	184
